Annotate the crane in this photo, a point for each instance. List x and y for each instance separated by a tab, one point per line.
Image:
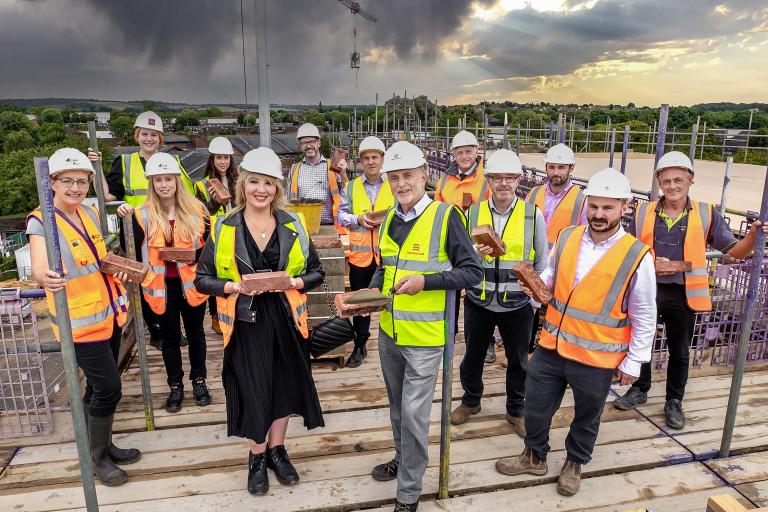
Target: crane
354	56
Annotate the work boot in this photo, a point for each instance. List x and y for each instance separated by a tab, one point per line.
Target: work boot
258	477
200	390
175	397
631	399
526	462
673	410
183	341
99	437
490	355
518	422
570	478
118	455
386	472
462	413
356	357
156	341
406	507
278	461
215	324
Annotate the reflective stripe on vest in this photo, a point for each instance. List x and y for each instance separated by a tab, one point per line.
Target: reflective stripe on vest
95	300
567	212
587	323
416	320
451	189
518	236
694	248
153	286
136	184
223	237
364	242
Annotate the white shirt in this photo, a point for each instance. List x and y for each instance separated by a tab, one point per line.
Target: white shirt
639	301
415	211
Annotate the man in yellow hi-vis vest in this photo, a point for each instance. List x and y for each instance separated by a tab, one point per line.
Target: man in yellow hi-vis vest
426	256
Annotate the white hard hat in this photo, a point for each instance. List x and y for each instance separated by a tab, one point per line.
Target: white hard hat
220	146
674	159
560	154
161	163
149	120
371	143
307	130
504	161
262	161
609	183
463	138
69	159
403	155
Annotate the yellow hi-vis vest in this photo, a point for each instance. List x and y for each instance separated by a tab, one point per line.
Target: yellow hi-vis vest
226	268
202	191
363	242
518	236
136	184
421	319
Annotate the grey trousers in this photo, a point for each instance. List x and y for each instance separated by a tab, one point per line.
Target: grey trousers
410	374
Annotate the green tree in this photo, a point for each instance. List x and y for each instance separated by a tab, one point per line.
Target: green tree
147	105
69	115
51	115
18	140
187	117
11	121
121	126
315	117
213	112
51	133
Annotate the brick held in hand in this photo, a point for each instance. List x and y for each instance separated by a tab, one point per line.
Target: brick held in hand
486	235
466	201
673	266
220	192
113	264
337	155
377	217
326	241
182	255
530	278
265	282
366	300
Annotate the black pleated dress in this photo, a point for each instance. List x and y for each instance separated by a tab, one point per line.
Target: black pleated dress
266	374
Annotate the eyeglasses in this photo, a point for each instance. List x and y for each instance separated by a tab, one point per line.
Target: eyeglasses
70	183
308	143
508	179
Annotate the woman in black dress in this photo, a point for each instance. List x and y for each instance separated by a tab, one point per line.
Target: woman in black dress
266	372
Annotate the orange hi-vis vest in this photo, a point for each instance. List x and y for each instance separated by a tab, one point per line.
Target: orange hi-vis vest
332	185
154	284
364	243
451	189
587	322
567	212
95	300
694	248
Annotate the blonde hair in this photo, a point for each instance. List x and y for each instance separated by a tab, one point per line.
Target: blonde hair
278	202
136	135
189	213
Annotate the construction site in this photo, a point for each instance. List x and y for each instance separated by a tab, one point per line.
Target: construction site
717	462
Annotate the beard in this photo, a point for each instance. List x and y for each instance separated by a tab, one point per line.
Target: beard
558	180
605	227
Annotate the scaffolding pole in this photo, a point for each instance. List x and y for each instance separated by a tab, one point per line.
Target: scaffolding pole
98	180
660	139
726	182
613	145
625	149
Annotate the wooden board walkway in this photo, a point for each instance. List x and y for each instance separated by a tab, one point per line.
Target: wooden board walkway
190	463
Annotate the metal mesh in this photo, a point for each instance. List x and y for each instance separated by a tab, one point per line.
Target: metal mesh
24	407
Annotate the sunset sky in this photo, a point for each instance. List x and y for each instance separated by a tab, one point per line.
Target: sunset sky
561	51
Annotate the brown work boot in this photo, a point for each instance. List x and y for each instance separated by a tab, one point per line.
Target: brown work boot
570	478
215	325
518	422
462	413
526	462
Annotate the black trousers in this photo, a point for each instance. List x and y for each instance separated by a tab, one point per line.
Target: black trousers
679	321
176	305
548	376
359	278
514	327
212	306
150	318
98	360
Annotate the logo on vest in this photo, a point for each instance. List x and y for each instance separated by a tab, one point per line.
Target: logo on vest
416	249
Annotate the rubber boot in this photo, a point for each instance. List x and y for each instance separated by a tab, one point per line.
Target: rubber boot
99	438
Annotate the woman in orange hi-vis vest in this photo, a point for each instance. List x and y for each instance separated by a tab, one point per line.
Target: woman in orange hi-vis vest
266	373
172	217
97	303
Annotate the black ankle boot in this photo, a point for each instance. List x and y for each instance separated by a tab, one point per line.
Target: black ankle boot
175	397
357	356
277	461
258	479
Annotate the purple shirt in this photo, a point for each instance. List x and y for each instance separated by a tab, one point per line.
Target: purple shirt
347	219
551	200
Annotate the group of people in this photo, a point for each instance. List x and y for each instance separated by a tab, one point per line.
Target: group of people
599	326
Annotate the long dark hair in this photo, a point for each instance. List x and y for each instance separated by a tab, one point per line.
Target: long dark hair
211	172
